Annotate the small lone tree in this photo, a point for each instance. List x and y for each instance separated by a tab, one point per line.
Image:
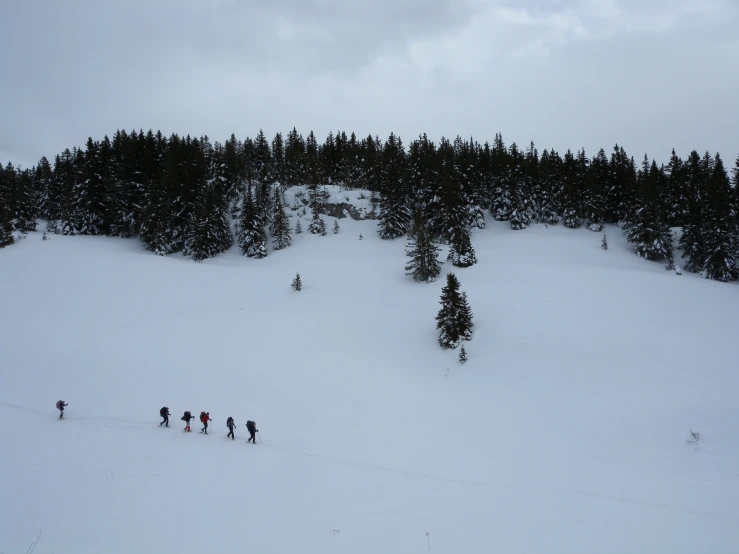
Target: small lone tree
297	283
604	242
336	227
424	264
298	228
360	236
317	225
454	319
462	355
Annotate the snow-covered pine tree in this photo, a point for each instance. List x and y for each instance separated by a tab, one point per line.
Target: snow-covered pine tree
209	232
670	265
120	195
596	179
604	241
519	214
317	225
462	355
157	231
675	191
550	186
570	193
461	253
395	213
335	228
25	203
6	224
298	227
465	318
454	319
501	202
297	283
280	227
424	264
648	230
692	241
718	222
90	209
252	237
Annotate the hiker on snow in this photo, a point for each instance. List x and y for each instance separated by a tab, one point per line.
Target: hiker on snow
252	428
186	418
60	405
204	419
164	412
230	424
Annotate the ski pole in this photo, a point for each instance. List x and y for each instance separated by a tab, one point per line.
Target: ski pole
260	437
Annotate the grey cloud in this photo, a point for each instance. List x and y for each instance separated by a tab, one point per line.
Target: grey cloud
650	74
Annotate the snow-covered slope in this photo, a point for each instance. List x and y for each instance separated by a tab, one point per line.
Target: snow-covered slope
564	432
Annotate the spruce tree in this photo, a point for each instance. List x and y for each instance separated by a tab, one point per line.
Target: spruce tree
692	241
252	237
317	225
647	229
550	187
461	253
336	227
594	204
90	209
462	355
395	214
280	227
501	183
424	264
454	319
570	193
604	241
718	223
298	227
6	224
518	202
209	232
297	283
674	196
24	209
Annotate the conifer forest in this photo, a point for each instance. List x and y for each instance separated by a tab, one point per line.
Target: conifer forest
190	196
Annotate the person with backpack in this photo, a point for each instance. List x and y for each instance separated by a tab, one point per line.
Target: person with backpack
252	428
164	413
60	405
230	424
204	419
186	418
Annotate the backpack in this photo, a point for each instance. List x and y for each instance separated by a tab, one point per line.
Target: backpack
163	411
59	404
202	417
186	417
230	422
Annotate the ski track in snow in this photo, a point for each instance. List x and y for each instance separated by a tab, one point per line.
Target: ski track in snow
366	465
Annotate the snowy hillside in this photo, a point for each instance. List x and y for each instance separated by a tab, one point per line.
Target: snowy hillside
564	432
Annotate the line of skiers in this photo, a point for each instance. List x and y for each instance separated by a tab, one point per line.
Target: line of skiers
204	419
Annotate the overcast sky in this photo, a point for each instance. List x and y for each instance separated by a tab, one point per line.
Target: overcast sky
647	74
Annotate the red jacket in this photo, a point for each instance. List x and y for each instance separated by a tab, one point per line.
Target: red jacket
204	417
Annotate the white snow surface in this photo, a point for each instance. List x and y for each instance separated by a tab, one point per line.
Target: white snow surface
564	432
